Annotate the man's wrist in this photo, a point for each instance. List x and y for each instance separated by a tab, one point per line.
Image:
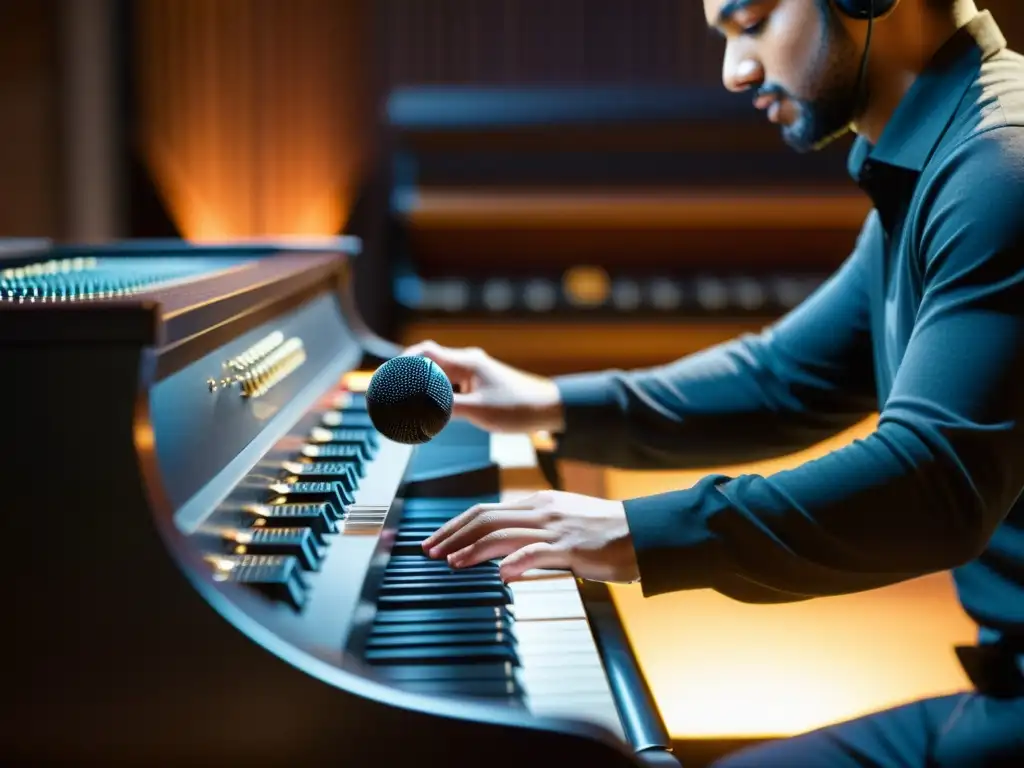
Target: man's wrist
551	412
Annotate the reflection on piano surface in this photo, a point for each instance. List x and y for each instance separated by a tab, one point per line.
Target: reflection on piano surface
213	555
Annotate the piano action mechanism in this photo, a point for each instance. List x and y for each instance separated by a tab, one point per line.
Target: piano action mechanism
212	555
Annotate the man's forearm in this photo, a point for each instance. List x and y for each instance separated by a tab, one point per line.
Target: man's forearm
806	378
721	406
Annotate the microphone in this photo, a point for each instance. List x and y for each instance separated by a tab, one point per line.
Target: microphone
409	399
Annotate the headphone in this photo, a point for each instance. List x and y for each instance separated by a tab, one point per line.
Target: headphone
865	10
862	10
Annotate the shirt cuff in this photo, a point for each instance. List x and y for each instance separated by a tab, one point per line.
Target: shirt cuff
586	391
675	548
589	408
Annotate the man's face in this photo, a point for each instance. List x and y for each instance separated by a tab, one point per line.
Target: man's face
797	59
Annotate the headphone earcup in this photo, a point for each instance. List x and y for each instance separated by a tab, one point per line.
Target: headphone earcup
865	9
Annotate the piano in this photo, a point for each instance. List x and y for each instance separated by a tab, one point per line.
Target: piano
210	554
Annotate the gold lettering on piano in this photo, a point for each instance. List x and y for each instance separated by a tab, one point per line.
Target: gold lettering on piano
262	366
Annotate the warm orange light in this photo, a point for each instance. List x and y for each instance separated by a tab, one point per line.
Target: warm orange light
357	381
723	669
250	124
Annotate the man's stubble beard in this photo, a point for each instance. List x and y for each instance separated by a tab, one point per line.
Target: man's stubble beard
827	116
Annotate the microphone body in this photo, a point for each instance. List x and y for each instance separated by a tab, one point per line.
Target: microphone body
409	399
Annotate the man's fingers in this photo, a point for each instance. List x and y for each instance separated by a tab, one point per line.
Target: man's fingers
498	544
468	405
459	365
467	402
540	554
455	524
486	524
459	522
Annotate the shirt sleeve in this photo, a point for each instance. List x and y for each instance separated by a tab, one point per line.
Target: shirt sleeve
802	380
926	490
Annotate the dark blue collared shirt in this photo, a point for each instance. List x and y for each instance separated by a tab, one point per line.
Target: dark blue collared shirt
923	324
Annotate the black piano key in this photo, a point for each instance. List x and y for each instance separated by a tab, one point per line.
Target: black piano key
426	520
438	672
348	417
470	654
441	627
315	517
450	508
424	615
421	531
408	547
490	598
279	577
353	435
344	454
414	548
446	587
416	529
350	401
324	472
507	690
421	560
445	503
432	521
333	430
400	577
427	523
358	439
445	640
410	538
334	495
297	542
439	580
440	569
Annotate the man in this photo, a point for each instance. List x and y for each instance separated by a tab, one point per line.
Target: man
924	323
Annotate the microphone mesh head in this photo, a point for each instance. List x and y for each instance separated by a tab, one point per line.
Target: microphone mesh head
409	399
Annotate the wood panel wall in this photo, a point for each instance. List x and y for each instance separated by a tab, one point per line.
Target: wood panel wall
530	42
520	42
30	147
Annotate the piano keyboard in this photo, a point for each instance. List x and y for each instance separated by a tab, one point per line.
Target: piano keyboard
463	633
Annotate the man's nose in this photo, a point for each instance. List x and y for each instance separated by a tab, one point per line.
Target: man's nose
742	74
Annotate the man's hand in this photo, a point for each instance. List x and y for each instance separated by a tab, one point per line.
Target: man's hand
495	396
550	530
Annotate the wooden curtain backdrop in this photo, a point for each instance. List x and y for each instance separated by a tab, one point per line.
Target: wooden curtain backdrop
253	115
515	42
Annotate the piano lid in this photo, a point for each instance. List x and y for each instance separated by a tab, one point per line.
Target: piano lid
155	292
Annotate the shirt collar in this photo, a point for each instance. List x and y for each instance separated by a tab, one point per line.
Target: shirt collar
926	110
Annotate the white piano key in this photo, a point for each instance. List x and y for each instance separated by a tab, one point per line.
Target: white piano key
589	680
544	585
543	606
552	658
512	451
536	574
547	628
